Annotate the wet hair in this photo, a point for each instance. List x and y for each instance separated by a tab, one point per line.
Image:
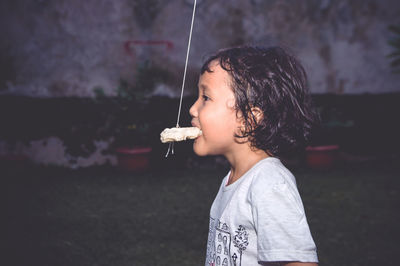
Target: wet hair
272	81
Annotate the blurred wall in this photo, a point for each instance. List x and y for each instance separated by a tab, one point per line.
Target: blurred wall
69	47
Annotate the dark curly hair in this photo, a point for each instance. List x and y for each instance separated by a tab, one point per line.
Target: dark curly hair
272	81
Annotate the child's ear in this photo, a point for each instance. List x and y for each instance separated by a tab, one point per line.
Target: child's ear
256	115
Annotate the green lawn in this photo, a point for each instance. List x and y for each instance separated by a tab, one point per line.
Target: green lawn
98	216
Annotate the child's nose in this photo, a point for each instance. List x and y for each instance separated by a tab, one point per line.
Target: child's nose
193	110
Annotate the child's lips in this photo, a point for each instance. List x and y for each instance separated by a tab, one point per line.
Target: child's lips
195	125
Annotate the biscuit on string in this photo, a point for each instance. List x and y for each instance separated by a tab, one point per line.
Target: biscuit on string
171	135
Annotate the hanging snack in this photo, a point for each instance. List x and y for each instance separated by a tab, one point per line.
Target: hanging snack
179	134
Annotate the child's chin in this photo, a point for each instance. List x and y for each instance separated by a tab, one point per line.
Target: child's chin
198	150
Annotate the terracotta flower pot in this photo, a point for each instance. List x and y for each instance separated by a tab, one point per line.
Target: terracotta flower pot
133	159
322	157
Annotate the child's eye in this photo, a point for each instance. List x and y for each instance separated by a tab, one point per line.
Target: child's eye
205	98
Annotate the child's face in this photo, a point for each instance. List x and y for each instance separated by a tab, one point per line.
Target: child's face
214	113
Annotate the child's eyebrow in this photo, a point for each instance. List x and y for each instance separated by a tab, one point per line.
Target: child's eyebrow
203	87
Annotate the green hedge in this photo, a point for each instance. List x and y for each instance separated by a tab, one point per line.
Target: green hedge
80	121
365	123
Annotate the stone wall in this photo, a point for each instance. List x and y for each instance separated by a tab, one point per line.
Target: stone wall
69	47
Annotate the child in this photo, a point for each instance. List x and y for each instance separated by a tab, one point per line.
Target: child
253	106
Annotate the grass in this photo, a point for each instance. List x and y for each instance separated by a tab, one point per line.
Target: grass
98	216
353	213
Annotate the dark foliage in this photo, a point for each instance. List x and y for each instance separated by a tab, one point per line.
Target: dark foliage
78	121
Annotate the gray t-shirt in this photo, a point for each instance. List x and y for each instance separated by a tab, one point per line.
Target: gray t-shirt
259	218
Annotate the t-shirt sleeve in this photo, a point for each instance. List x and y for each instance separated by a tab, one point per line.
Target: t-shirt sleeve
282	230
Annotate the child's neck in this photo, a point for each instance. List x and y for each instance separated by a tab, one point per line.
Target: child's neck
243	161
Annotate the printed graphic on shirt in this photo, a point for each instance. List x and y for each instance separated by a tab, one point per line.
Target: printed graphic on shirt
241	241
210	258
219	244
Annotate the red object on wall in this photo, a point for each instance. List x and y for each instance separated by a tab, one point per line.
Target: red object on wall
133	159
322	157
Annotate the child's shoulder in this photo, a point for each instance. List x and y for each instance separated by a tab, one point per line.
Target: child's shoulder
270	172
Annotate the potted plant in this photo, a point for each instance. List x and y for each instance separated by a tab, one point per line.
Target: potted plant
133	157
324	149
132	128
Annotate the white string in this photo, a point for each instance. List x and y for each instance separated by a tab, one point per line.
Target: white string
171	144
186	63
